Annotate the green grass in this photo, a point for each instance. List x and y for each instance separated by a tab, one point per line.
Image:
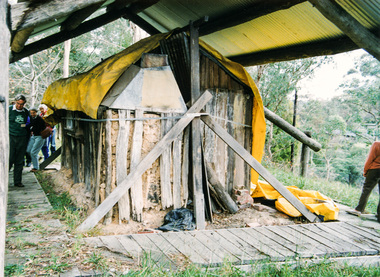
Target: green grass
340	192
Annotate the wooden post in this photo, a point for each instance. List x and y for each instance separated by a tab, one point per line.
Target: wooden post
185	166
4	137
294	132
144	164
305	156
108	146
165	162
136	189
249	159
196	139
292	146
177	151
121	163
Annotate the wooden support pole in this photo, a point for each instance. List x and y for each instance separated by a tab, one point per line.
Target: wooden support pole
108	146
304	157
144	164
196	136
294	132
223	197
121	164
249	159
4	140
349	25
165	166
51	158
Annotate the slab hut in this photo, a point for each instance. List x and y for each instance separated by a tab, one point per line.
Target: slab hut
139	108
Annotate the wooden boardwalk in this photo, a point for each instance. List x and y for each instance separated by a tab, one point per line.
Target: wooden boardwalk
247	246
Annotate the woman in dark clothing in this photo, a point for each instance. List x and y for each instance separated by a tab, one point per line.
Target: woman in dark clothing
37	125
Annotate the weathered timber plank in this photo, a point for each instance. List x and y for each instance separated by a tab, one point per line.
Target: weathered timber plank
337	249
185	166
372	232
166	247
145	163
301	241
299	250
248	158
98	162
177	149
153	252
51	158
336	231
113	244
108	146
183	245
121	163
257	244
136	189
165	162
216	248
201	249
131	246
270	242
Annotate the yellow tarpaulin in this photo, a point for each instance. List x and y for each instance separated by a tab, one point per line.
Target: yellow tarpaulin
315	201
85	92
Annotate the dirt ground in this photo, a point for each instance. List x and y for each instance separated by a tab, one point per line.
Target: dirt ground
253	216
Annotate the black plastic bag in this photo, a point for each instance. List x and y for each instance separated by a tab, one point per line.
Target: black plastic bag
178	220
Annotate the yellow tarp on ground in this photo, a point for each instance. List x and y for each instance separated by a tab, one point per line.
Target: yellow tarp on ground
85	92
315	201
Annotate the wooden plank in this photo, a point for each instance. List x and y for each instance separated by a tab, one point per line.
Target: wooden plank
364	230
302	242
113	244
121	163
177	154
87	157
131	246
299	250
98	162
165	162
338	250
136	189
108	148
241	251
145	163
168	249
185	166
359	34
270	242
153	252
231	155
184	246
215	247
248	158
351	239
196	138
51	158
263	248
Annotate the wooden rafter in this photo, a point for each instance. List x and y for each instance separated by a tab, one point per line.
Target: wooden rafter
312	49
349	25
233	18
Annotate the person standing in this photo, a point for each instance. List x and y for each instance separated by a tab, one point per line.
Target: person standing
372	178
18	137
37	125
45	147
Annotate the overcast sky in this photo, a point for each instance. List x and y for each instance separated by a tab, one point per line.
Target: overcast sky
327	78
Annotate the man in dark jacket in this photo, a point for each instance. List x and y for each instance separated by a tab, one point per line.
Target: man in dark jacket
37	125
18	137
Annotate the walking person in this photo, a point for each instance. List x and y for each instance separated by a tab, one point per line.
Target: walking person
45	146
372	178
37	125
18	137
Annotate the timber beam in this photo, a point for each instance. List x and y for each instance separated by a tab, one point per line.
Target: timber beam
312	49
253	163
85	27
291	130
349	25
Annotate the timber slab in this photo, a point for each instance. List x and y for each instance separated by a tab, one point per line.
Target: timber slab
244	247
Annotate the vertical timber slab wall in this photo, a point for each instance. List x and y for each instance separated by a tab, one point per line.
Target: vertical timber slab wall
232	103
4	141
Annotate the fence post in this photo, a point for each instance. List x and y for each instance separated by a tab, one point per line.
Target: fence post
305	156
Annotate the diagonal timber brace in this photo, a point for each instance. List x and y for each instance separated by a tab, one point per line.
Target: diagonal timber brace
249	159
144	164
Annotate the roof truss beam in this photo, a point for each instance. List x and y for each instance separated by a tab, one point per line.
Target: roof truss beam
312	49
349	25
260	8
